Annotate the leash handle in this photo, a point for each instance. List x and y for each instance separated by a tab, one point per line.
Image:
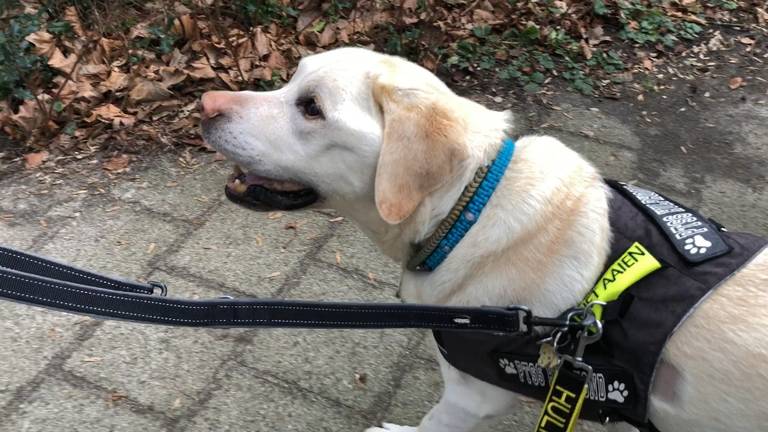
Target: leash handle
47	267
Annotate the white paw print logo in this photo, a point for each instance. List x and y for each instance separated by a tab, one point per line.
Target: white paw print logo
697	244
617	391
508	367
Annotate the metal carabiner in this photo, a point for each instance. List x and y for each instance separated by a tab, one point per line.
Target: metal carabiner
589	335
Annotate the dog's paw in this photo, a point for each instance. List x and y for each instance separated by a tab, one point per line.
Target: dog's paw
617	391
389	427
697	244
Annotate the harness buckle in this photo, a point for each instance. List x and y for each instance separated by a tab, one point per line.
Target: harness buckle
158	285
525	315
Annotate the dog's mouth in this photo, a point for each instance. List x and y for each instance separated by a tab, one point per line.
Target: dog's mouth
263	193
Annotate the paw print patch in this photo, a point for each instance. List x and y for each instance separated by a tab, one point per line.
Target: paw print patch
617	392
697	245
507	366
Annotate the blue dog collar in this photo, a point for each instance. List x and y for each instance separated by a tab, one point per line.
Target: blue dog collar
471	212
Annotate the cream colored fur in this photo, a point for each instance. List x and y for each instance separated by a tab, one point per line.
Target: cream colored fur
394	152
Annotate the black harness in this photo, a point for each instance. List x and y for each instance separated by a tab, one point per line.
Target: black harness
638	324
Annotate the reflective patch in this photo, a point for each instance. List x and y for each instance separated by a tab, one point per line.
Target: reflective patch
693	236
634	264
609	386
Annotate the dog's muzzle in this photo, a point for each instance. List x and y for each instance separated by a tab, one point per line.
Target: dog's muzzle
263	193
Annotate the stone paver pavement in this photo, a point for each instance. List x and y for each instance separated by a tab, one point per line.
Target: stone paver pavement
63	372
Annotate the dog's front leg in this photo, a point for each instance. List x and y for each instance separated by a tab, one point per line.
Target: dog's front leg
466	403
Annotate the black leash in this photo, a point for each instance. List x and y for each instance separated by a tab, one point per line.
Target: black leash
39	281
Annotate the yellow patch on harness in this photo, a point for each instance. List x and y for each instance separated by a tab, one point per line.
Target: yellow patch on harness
636	263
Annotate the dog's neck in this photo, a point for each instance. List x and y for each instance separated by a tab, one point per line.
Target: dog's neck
541	241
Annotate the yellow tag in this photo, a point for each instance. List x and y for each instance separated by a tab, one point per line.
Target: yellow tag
635	264
565	398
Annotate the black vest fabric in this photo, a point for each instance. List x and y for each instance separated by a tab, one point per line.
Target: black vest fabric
636	326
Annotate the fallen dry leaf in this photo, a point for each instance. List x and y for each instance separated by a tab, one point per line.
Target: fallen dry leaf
111	114
28	116
361	379
70	16
117	164
61	62
327	37
586	50
34	160
186	27
115	397
276	61
747	40
735	83
648	63
44	43
148	91
260	42
762	15
201	70
172	76
116	81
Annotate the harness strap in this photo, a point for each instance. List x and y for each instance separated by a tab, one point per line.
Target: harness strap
28	278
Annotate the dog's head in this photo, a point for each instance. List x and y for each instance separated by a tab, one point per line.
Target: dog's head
352	126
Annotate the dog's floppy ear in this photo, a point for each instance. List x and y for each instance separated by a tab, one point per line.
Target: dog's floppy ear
421	147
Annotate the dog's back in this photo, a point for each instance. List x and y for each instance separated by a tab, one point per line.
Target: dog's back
713	376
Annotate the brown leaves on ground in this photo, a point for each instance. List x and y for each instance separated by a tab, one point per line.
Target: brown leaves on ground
34	160
735	83
141	83
117	163
111	114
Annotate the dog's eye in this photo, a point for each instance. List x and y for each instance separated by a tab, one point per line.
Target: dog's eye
309	107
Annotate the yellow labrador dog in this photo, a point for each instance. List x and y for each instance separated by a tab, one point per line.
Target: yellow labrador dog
386	143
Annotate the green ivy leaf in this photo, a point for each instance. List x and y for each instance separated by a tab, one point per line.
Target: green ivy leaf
532	88
22	93
537	77
530	34
319	25
583	86
482	31
70	128
598	6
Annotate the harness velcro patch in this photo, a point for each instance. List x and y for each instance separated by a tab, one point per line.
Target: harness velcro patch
694	237
563	403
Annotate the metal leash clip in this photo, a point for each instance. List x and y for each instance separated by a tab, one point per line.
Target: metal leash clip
590	333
